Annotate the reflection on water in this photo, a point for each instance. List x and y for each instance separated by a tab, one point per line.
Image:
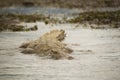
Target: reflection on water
96	53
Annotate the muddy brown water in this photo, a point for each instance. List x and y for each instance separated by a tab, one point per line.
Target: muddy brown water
96	53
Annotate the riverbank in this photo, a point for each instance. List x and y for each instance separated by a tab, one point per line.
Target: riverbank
92	19
98	18
12	21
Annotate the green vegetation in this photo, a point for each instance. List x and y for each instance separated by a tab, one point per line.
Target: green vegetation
15	28
29	18
99	18
23	18
9	21
34	28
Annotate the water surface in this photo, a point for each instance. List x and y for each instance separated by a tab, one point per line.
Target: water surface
96	53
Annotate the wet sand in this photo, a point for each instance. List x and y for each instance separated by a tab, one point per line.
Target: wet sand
96	53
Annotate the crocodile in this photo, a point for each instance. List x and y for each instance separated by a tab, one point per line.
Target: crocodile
50	44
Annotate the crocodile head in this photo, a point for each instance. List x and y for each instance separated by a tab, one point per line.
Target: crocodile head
55	34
